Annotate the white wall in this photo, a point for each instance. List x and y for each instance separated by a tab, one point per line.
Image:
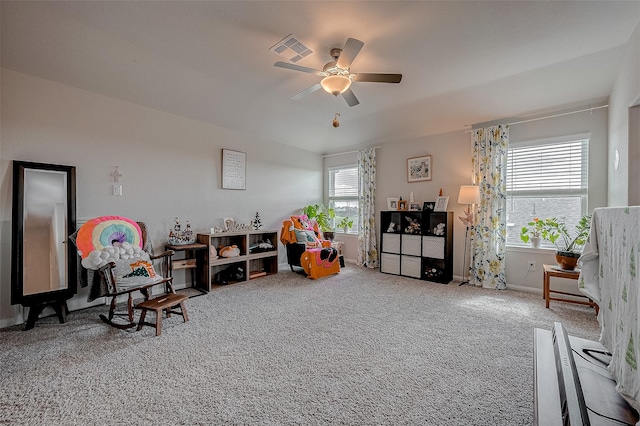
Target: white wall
624	183
170	165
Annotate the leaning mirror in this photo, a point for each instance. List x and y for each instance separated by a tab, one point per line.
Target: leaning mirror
43	270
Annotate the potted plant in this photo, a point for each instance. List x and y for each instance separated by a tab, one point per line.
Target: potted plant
533	232
323	215
569	246
345	223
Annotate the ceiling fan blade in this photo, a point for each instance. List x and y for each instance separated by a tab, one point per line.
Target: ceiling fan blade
378	78
350	97
349	52
295	67
306	91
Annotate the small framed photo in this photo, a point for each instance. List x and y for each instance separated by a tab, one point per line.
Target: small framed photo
428	206
415	207
228	223
402	205
441	204
419	168
392	204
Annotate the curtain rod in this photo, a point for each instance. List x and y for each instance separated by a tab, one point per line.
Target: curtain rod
345	153
551	116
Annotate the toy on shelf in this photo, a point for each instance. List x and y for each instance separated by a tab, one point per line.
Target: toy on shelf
179	237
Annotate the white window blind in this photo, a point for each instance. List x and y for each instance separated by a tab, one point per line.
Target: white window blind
343	182
555	168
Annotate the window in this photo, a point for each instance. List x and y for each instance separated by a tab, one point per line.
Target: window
546	179
343	194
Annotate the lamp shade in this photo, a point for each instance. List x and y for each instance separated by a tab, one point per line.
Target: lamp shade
335	84
469	194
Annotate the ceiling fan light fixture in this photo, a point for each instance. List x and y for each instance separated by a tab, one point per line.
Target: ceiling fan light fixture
336	84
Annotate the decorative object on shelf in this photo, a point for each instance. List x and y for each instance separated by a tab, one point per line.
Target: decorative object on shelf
213	253
402	205
234	169
179	237
469	195
216	230
428	206
439	229
227	221
441	204
392	227
415	207
413	227
569	247
392	204
233	226
257	222
261	246
229	251
419	169
232	273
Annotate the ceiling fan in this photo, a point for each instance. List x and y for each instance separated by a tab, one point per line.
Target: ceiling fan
337	76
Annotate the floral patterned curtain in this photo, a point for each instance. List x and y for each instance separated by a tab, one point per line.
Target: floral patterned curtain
367	240
489	233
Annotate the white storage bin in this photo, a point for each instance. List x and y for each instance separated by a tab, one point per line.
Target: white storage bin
411	244
410	266
433	247
390	263
391	243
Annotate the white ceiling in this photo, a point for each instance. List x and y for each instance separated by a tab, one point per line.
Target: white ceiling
462	62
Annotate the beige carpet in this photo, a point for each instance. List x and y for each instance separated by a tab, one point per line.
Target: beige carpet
357	348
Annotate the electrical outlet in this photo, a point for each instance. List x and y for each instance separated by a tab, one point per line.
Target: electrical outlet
532	265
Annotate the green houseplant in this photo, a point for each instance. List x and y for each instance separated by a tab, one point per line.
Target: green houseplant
323	215
345	223
533	232
568	245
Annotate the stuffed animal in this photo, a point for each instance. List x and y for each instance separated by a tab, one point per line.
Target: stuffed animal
229	251
439	230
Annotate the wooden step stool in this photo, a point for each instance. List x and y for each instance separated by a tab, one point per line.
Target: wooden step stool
159	304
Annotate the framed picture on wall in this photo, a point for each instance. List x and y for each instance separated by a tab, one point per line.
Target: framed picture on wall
441	204
234	169
419	169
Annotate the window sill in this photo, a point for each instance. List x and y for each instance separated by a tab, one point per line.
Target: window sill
525	249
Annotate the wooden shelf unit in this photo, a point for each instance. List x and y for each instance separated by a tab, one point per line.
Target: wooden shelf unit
417	251
260	263
193	256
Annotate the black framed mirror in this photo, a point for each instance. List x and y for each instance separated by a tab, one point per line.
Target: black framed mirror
43	267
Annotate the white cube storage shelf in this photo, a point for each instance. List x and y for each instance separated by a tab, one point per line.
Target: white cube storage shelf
414	250
391	242
390	263
411	266
411	245
433	247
